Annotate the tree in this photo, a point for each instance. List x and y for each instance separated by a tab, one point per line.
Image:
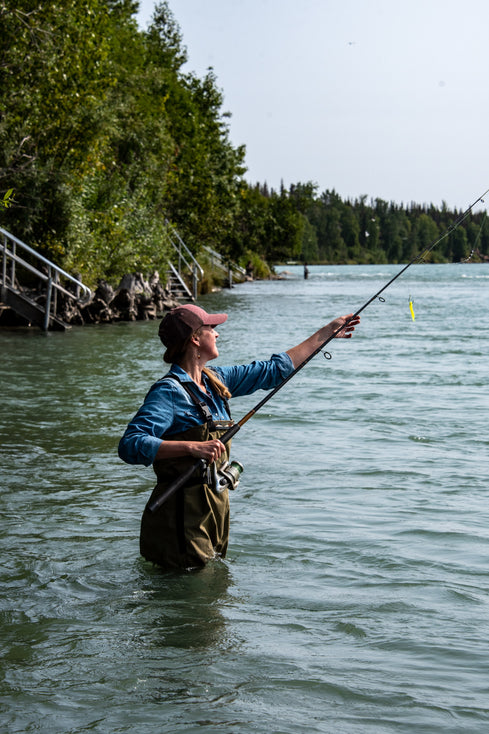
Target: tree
283	229
457	243
350	232
427	232
331	245
310	252
55	70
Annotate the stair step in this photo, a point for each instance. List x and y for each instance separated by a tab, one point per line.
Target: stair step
29	310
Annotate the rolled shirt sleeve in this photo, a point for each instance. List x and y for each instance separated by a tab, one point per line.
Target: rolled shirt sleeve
143	435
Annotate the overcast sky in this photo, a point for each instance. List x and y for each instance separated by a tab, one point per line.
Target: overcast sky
377	97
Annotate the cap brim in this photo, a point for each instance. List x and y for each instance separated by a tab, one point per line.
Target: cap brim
214	319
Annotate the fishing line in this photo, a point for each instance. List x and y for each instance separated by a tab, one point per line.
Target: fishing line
474	249
157	502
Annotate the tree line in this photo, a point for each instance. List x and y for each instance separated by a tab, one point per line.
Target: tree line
104	137
376	231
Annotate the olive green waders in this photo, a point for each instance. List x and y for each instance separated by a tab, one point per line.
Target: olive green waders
192	527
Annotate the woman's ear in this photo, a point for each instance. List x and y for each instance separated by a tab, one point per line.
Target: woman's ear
195	339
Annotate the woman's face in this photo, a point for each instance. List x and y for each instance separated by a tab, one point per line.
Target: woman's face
208	338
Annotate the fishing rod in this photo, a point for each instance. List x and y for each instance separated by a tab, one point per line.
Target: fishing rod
157	502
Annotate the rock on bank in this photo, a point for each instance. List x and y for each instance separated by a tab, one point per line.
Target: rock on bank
135	299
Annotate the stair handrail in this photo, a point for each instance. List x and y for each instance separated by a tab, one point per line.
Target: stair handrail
54	272
220	263
55	268
183	247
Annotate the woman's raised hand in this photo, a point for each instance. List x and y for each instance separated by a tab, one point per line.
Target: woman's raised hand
350	322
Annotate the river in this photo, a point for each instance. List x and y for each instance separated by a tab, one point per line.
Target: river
355	595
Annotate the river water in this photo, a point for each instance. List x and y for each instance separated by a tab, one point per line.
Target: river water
355	596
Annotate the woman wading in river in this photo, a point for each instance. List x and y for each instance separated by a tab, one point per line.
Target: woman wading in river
181	420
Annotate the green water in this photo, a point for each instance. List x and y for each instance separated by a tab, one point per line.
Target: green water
355	597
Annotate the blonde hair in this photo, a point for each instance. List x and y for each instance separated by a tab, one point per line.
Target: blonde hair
218	386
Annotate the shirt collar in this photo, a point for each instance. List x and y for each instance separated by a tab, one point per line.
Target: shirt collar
185	377
177	370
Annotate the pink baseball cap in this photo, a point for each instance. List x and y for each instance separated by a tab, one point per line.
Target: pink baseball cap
179	323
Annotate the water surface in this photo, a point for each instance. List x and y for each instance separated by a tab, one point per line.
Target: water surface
355	595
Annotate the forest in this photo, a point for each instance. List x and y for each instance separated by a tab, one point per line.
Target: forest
104	137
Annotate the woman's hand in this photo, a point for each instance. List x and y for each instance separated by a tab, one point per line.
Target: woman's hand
207	450
350	322
345	325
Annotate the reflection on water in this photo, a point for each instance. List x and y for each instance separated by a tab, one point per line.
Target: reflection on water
188	606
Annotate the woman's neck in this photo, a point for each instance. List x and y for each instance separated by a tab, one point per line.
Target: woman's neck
193	368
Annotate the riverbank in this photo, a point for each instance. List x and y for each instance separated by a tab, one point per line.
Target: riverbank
134	299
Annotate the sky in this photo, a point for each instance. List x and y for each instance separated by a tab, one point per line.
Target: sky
380	98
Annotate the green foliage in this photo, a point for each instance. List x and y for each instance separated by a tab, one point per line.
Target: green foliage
8	199
309	249
261	269
104	137
54	74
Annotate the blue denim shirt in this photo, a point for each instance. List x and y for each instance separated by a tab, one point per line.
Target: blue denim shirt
168	409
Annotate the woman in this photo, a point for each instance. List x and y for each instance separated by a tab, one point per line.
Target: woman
182	418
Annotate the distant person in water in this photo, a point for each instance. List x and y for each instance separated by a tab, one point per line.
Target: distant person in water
249	270
181	420
306	271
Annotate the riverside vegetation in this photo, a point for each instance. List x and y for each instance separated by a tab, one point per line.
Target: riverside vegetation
104	136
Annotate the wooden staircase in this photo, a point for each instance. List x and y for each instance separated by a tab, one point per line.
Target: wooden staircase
21	261
28	309
176	285
184	262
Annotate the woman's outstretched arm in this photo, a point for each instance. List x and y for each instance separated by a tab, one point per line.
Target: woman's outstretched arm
303	350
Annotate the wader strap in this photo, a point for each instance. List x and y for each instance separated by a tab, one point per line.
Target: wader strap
201	405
